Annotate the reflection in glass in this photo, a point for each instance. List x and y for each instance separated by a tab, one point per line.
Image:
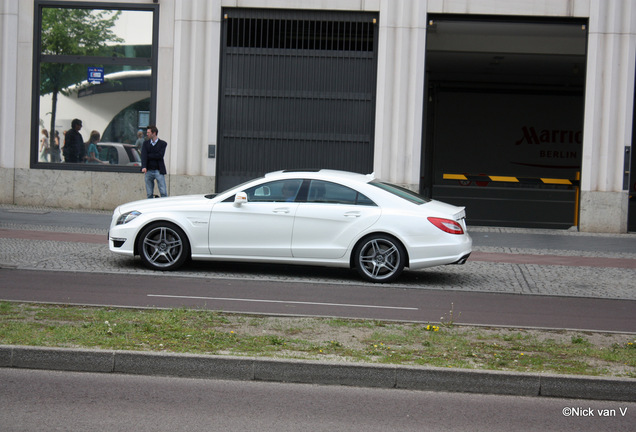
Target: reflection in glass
96	32
112	106
115	109
77	31
127	123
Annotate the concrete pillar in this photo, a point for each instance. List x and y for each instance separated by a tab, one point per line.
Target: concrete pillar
195	85
400	91
8	95
608	115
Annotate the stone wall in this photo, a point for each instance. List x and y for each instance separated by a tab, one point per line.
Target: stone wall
87	190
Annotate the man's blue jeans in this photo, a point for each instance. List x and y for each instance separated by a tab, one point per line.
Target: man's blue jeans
150	177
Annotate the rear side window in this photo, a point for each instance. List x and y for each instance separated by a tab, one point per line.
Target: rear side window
404	193
333	193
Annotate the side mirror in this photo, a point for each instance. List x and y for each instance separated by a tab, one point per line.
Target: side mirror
262	191
240	198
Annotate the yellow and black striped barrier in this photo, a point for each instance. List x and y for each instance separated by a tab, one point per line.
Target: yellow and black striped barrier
524	180
510	179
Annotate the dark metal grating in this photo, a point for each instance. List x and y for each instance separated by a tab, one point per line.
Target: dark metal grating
300	34
297	90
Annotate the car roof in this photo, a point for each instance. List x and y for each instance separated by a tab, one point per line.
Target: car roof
323	174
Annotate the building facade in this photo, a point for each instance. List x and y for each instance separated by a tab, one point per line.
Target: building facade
521	111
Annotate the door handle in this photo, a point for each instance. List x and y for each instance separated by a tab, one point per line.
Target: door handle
281	210
352	214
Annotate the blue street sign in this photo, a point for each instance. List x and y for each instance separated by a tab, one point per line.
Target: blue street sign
96	75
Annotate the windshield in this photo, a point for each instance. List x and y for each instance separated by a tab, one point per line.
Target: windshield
404	193
237	187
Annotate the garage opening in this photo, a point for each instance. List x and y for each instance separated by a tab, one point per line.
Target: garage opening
504	118
297	91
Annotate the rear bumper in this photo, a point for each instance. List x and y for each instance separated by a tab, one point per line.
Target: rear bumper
455	250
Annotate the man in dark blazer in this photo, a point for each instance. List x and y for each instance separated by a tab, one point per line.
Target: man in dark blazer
73	149
152	165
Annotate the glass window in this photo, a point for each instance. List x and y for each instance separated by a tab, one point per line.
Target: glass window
94	86
407	194
333	193
276	191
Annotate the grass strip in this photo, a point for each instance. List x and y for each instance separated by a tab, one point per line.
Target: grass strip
347	340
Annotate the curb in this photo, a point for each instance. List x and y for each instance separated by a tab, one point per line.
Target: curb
320	373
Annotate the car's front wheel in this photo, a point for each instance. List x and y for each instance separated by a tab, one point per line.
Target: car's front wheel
380	258
163	246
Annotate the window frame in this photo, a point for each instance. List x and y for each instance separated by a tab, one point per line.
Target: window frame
39	59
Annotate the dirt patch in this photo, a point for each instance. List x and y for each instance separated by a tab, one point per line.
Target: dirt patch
358	334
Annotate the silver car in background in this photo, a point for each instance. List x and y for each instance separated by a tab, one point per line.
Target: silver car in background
119	154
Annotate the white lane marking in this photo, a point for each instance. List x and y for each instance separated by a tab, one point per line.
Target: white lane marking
282	301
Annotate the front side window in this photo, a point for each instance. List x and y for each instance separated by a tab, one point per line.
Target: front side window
94	84
276	191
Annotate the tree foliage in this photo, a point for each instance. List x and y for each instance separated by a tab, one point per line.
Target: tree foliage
77	32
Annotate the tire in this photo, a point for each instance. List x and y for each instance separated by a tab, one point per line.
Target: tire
163	246
380	258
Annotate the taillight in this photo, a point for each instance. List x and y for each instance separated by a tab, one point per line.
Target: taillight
447	225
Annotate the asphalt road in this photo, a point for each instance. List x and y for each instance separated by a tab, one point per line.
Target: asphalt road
310	299
44	400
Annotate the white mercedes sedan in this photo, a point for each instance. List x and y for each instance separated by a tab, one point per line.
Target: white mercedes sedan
311	217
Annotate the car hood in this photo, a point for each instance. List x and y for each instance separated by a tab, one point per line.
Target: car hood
160	204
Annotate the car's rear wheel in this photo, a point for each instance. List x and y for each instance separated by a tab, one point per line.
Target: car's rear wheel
163	246
380	258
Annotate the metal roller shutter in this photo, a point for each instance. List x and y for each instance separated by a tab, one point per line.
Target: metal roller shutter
297	91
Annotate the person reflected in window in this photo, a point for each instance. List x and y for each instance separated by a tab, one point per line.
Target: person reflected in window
92	152
55	147
44	146
152	164
140	140
74	143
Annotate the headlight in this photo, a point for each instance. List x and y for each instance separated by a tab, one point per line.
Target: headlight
127	217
